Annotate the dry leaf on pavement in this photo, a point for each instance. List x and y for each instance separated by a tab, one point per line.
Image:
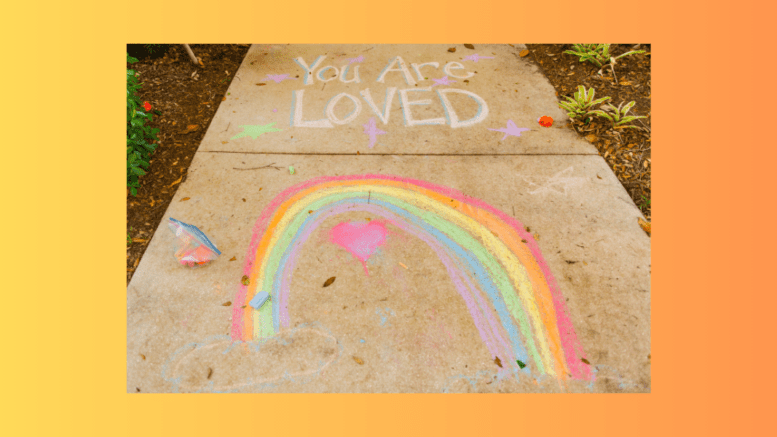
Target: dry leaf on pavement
645	225
329	281
523	53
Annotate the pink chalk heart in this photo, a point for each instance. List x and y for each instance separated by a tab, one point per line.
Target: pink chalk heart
361	239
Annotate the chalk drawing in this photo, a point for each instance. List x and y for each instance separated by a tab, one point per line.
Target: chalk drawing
221	352
344	73
443	81
406	103
402	68
278	78
384	314
397	65
476	57
493	263
330	109
452	116
384	116
361	239
501	374
320	73
417	68
556	183
309	70
511	130
456	66
255	131
372	130
297	120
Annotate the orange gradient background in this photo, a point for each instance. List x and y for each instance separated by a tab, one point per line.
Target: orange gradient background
63	192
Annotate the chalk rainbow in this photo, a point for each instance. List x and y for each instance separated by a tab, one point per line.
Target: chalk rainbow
495	265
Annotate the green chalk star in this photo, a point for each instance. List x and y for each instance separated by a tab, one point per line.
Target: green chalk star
255	131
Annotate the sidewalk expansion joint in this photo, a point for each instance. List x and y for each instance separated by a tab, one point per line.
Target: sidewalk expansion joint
399	154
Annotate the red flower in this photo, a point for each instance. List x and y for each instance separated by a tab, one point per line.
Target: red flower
546	121
147	106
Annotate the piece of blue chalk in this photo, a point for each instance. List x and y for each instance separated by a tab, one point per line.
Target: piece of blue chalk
259	299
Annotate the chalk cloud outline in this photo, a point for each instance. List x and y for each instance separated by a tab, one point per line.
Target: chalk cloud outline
173	374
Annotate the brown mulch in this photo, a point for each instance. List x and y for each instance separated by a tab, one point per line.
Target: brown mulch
188	96
188	102
626	151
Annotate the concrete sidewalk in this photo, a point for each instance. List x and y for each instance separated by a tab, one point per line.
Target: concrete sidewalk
473	249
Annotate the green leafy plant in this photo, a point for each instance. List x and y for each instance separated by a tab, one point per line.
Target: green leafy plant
598	54
582	104
645	203
138	148
618	116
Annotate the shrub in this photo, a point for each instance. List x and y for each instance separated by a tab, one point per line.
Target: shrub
598	54
618	116
138	148
582	104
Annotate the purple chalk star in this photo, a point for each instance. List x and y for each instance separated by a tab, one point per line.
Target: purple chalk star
372	130
359	58
278	78
477	57
511	129
443	81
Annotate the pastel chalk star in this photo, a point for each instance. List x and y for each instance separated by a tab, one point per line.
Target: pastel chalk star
372	130
558	182
443	81
278	78
359	58
255	131
477	57
511	129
